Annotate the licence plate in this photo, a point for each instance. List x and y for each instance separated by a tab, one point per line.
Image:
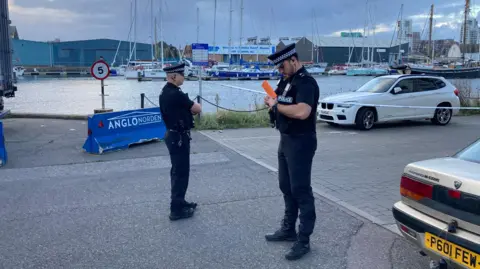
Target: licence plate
325	112
447	249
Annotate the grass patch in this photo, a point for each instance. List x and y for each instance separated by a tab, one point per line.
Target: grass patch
232	120
468	96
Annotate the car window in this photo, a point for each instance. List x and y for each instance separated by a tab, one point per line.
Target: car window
406	85
377	85
425	84
471	153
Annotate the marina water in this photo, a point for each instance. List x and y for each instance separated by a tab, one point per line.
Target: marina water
81	95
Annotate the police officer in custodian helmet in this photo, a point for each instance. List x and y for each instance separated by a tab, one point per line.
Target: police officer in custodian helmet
295	114
177	110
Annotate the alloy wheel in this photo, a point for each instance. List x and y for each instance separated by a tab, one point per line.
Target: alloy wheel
368	119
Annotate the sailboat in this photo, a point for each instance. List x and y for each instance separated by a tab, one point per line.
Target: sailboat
368	66
146	69
465	70
244	70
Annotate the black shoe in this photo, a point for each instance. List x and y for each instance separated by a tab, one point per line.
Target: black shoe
184	213
190	205
282	235
298	250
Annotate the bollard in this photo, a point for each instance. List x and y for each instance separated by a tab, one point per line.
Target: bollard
142	100
217	100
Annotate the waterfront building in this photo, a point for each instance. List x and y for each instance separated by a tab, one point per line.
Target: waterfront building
81	53
341	50
332	50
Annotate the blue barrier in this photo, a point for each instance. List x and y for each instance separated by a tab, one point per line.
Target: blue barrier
118	130
3	150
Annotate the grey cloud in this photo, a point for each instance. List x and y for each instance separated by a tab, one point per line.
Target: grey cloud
111	18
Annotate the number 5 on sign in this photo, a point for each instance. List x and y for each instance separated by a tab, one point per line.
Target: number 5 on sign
100	70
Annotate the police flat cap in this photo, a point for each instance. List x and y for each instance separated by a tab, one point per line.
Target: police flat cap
178	68
283	54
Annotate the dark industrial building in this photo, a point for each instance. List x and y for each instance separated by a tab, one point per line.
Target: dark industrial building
80	53
342	50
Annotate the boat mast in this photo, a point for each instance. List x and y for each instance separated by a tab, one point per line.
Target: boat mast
467	10
130	37
161	32
241	30
214	21
312	32
430	43
198	23
230	37
151	16
135	33
400	35
156	42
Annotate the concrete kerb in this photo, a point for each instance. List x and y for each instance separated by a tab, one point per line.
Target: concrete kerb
349	209
48	116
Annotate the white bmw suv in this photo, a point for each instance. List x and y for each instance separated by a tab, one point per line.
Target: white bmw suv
439	209
393	98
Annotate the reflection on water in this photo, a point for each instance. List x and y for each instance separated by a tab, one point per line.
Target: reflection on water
82	95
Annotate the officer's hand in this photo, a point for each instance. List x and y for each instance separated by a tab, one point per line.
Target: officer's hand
271	101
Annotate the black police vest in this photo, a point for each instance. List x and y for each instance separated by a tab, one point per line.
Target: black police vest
175	116
286	95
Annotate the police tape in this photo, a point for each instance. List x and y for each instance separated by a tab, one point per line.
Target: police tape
356	104
350	104
234	87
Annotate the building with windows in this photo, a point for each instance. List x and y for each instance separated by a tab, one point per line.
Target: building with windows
416	42
406	33
13	32
332	50
471	32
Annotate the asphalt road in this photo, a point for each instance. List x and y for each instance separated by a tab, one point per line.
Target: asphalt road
61	208
360	170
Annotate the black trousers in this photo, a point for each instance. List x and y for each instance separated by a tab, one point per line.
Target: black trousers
295	156
178	144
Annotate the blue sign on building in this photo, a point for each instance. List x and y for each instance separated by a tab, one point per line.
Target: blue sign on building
3	150
200	54
119	130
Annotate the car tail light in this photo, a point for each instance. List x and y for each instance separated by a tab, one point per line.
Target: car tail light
456	92
414	189
454	194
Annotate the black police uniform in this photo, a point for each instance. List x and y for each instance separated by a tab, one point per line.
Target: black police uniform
175	109
297	147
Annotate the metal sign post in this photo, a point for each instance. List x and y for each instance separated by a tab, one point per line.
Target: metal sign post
200	59
100	71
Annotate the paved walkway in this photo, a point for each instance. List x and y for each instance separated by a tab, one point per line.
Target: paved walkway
62	208
360	170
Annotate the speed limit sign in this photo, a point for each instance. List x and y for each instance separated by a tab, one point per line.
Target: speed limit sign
100	70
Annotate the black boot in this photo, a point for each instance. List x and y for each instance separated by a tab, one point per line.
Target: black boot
298	250
285	233
183	213
190	205
282	235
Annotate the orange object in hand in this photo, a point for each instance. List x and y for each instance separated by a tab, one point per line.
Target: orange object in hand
268	89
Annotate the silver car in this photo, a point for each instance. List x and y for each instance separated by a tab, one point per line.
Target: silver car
440	207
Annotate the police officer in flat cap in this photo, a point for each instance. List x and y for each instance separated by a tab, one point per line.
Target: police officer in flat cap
177	112
295	112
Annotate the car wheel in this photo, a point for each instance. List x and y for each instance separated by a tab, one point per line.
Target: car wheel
442	115
365	118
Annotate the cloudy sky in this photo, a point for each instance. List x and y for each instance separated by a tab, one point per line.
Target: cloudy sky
44	20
